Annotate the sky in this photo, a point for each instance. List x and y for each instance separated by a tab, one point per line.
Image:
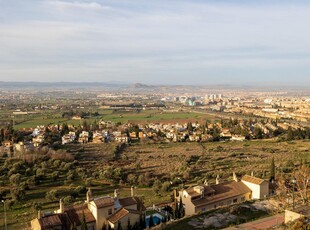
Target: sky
197	42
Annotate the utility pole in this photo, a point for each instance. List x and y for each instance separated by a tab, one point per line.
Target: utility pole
5	225
294	182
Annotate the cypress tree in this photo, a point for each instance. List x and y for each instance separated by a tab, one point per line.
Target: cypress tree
272	169
176	211
129	227
181	209
83	222
119	226
151	222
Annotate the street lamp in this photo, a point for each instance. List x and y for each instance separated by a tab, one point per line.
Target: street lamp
294	182
5	226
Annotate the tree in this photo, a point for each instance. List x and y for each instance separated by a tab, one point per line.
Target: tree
181	209
176	210
142	221
151	221
129	227
83	222
272	170
302	182
189	127
156	186
119	226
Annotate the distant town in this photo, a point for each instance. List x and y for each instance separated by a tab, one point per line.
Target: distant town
145	157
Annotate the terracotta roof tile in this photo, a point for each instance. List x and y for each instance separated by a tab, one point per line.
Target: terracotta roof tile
104	202
75	214
223	191
121	214
52	221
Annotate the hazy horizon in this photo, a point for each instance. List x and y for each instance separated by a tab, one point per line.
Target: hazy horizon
158	43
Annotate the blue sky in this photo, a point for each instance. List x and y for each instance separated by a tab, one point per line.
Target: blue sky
155	42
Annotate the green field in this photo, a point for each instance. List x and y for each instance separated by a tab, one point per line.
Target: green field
33	120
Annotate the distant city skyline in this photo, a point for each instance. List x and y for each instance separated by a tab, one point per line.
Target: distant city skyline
173	42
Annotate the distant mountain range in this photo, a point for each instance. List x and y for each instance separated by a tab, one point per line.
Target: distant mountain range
141	87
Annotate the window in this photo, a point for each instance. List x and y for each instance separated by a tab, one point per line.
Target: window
242	198
110	211
235	200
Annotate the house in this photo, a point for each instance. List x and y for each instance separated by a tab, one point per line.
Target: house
99	213
206	197
83	137
38	140
76	117
259	187
7	144
238	138
98	137
68	138
123	138
122	216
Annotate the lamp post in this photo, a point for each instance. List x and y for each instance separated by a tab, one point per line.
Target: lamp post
5	226
294	182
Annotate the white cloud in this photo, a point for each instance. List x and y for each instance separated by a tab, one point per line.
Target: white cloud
77	5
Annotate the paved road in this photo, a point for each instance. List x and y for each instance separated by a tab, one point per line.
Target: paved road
265	223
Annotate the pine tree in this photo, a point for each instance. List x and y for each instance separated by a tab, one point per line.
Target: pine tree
272	170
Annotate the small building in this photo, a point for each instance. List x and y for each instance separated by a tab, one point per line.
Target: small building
259	187
99	213
207	197
122	216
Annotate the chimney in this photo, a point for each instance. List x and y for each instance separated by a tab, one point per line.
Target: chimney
252	173
39	214
217	180
132	191
88	195
115	193
62	206
235	177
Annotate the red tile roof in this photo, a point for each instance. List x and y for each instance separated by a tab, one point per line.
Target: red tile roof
75	214
223	191
52	221
104	202
121	214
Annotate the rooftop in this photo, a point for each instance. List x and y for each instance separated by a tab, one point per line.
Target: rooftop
252	179
222	191
75	214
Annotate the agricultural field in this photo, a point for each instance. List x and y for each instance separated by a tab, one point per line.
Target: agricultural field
116	116
47	175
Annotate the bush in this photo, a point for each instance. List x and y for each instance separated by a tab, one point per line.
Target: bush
165	186
80	189
52	195
68	200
